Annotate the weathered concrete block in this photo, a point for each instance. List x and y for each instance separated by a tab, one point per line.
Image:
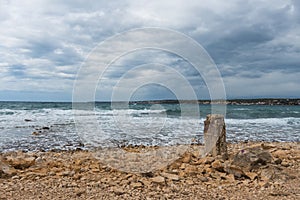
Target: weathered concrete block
215	135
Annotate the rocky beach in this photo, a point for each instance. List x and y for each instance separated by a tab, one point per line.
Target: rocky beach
253	170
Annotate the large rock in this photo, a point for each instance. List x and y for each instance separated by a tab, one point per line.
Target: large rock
6	170
215	136
235	170
20	162
252	158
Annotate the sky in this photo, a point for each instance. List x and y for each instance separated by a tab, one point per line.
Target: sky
255	45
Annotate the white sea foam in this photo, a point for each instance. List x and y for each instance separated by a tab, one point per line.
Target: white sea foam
145	126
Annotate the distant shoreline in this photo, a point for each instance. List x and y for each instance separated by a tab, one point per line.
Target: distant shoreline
227	102
258	101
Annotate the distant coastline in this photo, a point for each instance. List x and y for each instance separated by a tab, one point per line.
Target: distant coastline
266	101
258	101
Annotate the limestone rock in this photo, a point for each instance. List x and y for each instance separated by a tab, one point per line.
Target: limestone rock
158	179
252	158
235	170
173	177
218	165
187	157
21	162
251	175
215	135
6	171
136	185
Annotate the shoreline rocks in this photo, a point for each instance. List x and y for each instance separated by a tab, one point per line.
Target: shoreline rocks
77	174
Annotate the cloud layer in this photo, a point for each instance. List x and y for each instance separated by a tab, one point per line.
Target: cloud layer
255	44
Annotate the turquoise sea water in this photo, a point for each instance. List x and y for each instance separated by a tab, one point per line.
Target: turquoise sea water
54	125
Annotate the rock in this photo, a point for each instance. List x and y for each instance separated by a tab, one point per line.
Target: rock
158	179
145	182
252	158
136	185
191	169
268	146
118	191
218	165
280	154
215	135
36	133
285	163
189	182
235	170
6	171
45	128
278	161
230	177
172	177
203	179
27	120
208	160
20	162
186	157
251	175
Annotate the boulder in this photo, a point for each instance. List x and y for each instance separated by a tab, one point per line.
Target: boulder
252	158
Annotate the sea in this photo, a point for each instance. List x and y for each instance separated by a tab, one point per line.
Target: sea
50	126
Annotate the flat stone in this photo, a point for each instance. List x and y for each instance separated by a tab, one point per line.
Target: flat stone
158	179
251	175
218	165
136	185
285	164
189	182
21	163
235	170
203	179
280	153
208	160
187	157
118	191
173	177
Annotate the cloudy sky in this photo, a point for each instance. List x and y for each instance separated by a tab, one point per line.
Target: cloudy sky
255	45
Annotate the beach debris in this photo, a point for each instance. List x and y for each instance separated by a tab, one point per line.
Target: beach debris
215	136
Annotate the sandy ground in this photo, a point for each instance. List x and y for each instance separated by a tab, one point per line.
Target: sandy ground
79	175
